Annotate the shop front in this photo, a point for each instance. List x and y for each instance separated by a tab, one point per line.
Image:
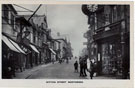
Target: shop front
34	55
109	50
10	57
109	55
53	55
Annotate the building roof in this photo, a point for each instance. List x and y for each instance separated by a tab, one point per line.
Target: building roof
37	19
23	20
11	6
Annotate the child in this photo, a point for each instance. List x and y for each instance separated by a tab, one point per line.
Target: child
76	66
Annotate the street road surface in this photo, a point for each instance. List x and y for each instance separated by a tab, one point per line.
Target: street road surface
57	71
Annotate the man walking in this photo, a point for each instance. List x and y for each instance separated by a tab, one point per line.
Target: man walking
76	66
81	66
84	66
91	70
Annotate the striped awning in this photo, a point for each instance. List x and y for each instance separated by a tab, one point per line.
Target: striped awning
12	45
34	48
52	51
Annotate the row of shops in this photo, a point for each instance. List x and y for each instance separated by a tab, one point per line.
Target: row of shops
109	38
28	42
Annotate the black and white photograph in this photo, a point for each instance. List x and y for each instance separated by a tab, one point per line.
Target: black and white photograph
66	41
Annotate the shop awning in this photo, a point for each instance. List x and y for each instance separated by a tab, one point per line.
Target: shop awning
34	48
52	51
12	45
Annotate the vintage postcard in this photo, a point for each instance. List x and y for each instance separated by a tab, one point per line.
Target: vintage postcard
67	44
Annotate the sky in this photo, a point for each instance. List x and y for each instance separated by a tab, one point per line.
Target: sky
66	19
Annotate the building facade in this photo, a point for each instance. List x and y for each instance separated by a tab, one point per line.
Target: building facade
24	41
12	52
110	36
28	42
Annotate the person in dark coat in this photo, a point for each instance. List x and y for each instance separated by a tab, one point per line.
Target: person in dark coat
76	66
85	65
12	64
81	66
5	67
92	70
84	68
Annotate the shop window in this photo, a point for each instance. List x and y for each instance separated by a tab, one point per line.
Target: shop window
100	20
114	14
111	49
107	12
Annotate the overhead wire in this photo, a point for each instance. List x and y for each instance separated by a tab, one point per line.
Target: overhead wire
35	12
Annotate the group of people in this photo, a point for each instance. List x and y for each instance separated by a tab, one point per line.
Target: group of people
85	65
61	60
8	66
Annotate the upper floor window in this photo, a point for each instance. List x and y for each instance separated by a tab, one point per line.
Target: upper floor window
34	36
114	16
5	13
12	20
100	19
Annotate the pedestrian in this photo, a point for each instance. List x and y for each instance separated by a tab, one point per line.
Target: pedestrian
76	66
12	64
6	74
81	66
67	60
85	65
52	61
91	69
59	56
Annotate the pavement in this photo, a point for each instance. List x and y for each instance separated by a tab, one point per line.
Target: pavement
55	71
28	72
